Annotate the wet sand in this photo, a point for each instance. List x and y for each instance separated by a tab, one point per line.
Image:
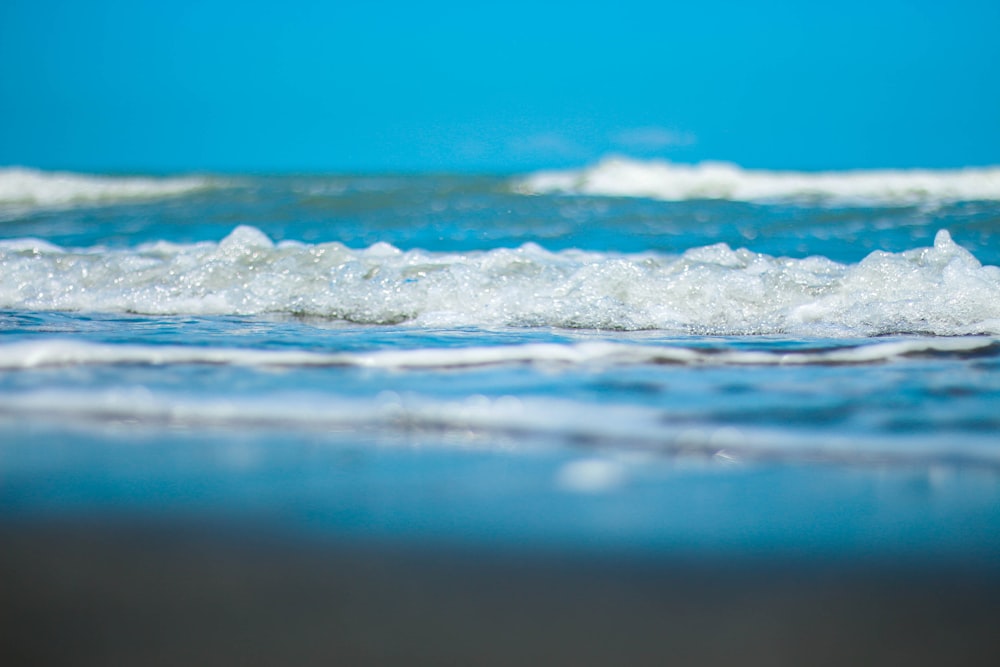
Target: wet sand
113	592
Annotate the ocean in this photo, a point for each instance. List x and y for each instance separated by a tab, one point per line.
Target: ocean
635	364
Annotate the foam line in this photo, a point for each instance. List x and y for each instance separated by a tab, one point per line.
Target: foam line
617	430
26	355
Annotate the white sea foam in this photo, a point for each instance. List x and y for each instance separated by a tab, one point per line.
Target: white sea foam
516	422
58	352
940	290
658	179
21	186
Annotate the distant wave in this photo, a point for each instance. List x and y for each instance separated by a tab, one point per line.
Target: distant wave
712	290
659	179
21	186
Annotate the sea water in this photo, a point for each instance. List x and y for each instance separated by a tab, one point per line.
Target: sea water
634	356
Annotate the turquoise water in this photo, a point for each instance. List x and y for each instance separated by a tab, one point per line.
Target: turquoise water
497	361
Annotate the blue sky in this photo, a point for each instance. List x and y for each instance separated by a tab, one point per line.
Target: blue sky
298	85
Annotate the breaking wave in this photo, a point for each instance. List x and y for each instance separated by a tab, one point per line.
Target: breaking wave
939	290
